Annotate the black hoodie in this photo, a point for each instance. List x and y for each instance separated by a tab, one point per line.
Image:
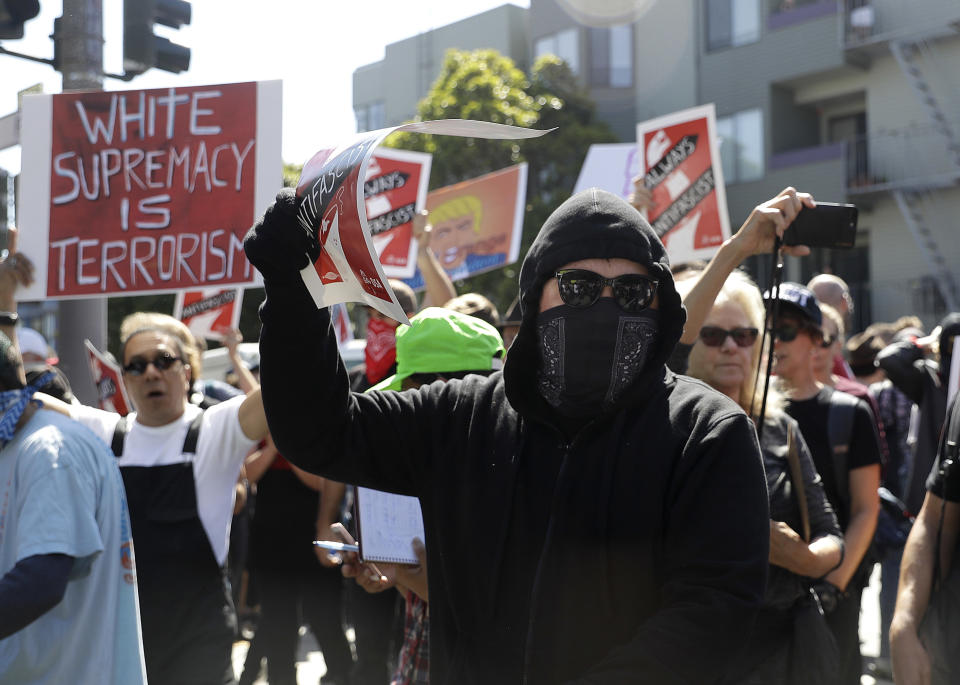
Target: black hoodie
635	552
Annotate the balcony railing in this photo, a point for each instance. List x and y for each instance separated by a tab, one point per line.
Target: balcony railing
783	13
900	159
870	21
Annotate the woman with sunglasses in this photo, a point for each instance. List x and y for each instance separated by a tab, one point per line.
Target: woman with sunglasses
726	355
720	345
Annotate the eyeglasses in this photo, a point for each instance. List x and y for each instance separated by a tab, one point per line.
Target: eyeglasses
787	331
580	288
714	336
162	362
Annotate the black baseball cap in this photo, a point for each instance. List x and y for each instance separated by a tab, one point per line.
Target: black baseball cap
799	299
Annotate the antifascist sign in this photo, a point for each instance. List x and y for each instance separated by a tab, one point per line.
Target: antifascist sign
146	190
211	312
344	266
111	395
395	190
680	163
477	224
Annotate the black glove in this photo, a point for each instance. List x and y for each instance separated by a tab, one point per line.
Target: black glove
277	245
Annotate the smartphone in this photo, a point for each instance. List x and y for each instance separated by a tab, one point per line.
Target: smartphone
827	225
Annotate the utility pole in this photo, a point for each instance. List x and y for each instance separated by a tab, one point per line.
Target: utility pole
79	34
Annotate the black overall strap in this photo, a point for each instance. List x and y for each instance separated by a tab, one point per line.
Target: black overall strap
119	436
123	427
193	435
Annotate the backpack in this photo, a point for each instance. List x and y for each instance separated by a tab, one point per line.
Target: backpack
840	417
843	408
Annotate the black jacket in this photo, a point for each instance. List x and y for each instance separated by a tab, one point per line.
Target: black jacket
921	381
646	562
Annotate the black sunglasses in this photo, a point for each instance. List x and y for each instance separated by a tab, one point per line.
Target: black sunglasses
162	362
787	331
714	336
581	288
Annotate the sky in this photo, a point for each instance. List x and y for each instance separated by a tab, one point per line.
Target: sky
313	46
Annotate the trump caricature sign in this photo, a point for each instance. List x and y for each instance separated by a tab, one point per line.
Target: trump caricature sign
146	190
680	163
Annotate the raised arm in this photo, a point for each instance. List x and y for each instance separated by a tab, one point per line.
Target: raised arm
15	270
376	440
246	380
438	285
755	237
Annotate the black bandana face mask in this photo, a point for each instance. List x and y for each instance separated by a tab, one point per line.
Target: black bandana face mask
588	357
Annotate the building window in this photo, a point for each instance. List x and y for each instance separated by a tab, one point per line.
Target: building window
370	117
376	117
732	22
361	115
741	146
564	45
611	56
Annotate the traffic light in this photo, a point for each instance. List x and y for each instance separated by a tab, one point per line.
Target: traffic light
142	49
13	14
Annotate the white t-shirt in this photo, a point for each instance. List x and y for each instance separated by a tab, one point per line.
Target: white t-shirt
61	493
221	449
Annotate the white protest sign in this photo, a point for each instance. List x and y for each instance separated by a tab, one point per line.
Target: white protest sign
344	266
610	167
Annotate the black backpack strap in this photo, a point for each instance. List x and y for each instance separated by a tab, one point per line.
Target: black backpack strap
843	408
119	436
193	434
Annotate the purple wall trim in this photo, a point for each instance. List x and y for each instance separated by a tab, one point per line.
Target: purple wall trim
800	13
806	155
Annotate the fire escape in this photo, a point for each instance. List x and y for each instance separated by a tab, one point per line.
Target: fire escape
916	58
915	165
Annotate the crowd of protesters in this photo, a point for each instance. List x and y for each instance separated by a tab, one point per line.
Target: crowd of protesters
613	488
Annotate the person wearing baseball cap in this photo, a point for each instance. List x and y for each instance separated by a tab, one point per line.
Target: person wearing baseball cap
850	471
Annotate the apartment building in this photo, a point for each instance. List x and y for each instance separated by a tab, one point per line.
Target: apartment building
386	93
853	100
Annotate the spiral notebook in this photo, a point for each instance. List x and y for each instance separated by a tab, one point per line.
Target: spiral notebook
386	526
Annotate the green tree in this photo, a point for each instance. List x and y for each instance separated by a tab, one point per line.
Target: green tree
485	85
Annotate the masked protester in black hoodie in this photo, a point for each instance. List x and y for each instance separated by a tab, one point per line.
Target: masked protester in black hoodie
589	516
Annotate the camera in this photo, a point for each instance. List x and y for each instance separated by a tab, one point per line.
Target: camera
827	225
